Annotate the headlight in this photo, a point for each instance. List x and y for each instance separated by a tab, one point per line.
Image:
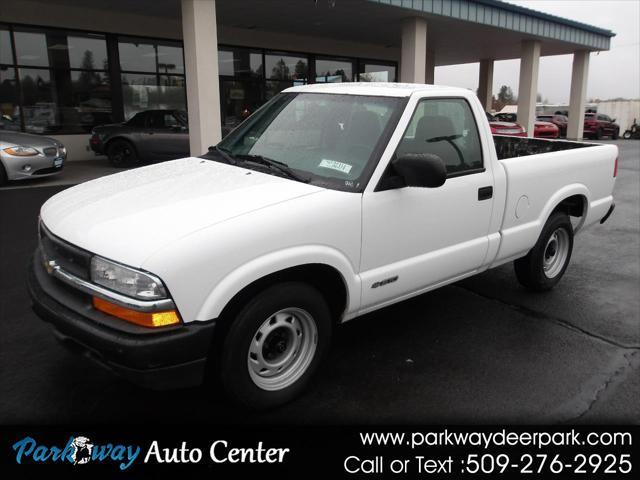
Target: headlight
125	280
62	150
21	151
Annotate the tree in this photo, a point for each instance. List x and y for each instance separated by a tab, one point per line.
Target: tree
505	97
280	71
301	69
87	78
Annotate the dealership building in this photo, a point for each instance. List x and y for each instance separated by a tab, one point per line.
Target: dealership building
68	65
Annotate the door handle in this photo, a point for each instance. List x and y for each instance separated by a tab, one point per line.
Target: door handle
485	193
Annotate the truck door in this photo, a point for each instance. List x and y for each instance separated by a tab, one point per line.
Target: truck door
416	238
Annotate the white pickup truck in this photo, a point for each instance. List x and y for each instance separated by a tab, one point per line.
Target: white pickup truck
329	202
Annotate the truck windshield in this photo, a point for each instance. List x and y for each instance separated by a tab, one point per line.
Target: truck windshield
330	140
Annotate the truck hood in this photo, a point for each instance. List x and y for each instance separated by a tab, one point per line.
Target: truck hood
130	215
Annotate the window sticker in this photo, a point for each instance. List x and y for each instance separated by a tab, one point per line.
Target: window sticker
335	165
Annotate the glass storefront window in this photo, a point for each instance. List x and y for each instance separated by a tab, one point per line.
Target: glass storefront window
286	67
6	56
138	93
39	105
142	92
240	98
239	62
333	70
87	52
138	57
171	93
61	81
372	72
91	100
9	109
170	59
31	49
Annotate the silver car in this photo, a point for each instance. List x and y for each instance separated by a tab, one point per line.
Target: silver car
23	156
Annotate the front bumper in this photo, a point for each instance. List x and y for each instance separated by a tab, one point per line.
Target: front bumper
21	168
171	357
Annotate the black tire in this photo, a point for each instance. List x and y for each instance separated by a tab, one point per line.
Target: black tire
122	153
615	135
530	270
3	176
235	370
626	135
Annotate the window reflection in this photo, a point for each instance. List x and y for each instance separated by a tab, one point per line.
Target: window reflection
9	110
329	70
31	49
6	56
91	100
38	101
142	92
285	67
239	62
170	59
371	72
139	57
87	52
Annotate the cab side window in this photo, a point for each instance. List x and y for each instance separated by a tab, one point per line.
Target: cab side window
446	128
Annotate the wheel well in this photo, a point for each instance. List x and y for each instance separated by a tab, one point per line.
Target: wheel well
323	277
574	206
111	140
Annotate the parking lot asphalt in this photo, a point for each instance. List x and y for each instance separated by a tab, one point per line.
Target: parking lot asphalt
483	350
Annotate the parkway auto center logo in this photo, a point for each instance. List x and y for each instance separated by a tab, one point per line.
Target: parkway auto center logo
79	450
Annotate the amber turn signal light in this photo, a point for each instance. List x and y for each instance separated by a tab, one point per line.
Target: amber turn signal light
146	319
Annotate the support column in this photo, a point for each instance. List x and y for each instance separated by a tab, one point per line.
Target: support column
200	38
485	84
430	70
579	78
414	50
528	86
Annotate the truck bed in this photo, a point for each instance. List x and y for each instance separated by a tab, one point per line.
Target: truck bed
511	147
541	173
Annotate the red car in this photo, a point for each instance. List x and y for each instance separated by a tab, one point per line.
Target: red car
545	130
597	125
560	121
505	128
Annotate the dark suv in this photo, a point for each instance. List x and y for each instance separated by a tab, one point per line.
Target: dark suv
151	135
598	125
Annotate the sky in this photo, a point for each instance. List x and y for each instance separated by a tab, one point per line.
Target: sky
614	73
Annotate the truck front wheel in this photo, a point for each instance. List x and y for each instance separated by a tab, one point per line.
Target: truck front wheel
547	261
275	344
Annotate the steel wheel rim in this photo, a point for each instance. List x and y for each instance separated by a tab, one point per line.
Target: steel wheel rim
282	349
556	252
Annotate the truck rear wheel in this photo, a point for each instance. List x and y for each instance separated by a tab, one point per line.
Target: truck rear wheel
543	267
274	345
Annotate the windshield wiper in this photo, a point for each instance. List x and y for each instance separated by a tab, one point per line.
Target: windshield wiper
223	153
274	164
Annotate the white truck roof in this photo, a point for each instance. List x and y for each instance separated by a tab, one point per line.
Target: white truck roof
384	89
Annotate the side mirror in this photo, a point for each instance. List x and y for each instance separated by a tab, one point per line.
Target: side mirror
613	120
420	170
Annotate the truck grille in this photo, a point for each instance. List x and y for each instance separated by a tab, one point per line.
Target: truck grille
70	258
50	151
